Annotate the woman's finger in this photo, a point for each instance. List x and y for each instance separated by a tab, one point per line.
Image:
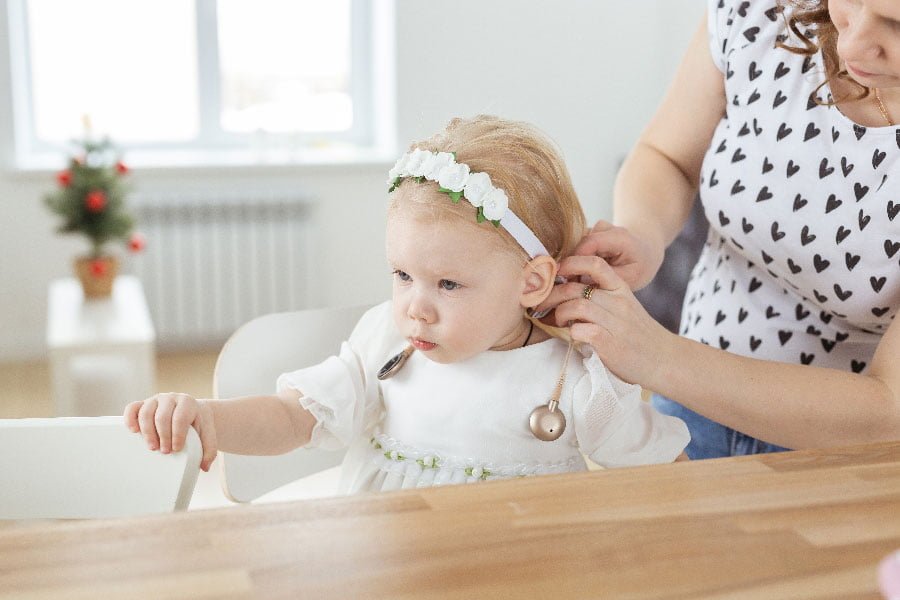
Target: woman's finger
601	226
608	242
582	271
583	310
595	268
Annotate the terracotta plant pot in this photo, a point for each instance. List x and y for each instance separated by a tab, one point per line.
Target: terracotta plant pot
97	275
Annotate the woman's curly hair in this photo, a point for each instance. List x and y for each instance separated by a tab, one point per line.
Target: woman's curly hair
820	34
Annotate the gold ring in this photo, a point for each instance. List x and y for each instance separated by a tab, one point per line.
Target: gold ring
588	292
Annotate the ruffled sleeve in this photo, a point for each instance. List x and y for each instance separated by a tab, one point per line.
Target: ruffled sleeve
342	392
615	427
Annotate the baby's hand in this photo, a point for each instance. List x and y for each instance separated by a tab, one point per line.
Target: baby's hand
164	419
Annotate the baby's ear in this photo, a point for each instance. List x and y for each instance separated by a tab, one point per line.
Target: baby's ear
539	275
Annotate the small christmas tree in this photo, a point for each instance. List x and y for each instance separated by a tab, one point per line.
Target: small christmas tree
91	198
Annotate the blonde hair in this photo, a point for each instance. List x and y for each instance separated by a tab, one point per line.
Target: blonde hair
521	161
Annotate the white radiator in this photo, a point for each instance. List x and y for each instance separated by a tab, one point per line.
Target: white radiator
213	261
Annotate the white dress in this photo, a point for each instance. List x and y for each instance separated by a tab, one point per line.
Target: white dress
464	422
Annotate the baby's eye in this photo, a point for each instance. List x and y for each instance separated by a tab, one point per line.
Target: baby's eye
402	276
448	285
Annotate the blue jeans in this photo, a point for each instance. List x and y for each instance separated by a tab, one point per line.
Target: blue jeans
710	439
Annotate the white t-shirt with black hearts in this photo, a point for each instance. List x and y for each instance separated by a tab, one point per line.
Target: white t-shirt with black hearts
802	262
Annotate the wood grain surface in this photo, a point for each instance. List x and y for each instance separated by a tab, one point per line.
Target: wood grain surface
810	524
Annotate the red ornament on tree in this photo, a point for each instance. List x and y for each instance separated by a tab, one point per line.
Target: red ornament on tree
137	242
95	201
64	178
122	168
98	268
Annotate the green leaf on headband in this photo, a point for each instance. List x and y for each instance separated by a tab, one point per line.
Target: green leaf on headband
454	156
479	215
420	179
496	223
455	196
394	185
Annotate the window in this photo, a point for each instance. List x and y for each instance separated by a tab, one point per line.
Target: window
203	75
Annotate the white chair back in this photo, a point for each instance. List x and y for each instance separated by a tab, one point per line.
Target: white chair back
89	467
250	362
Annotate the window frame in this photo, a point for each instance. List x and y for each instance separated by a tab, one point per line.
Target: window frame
369	38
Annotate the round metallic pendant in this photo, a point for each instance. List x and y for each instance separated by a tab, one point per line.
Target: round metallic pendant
547	422
392	366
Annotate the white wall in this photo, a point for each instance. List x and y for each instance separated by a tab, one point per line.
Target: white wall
587	72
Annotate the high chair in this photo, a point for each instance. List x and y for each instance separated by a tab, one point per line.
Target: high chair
89	467
250	362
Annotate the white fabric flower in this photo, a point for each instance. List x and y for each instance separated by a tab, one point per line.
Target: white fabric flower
435	162
477	472
454	177
416	162
494	204
428	461
399	169
477	187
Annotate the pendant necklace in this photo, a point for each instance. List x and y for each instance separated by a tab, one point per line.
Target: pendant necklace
881	107
547	421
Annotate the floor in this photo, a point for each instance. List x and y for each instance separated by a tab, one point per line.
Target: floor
26	393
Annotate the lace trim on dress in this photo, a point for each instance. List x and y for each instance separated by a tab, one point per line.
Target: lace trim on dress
394	456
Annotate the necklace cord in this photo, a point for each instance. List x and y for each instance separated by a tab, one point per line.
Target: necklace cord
554	400
882	108
530	331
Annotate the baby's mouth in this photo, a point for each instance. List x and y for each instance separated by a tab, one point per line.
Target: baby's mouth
422	344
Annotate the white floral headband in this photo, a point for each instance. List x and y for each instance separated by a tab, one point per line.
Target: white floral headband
457	181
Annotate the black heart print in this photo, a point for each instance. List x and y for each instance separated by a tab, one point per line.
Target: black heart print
891	248
799	185
841	234
776	234
806	237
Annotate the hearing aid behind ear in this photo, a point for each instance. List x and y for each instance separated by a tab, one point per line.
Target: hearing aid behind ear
543	313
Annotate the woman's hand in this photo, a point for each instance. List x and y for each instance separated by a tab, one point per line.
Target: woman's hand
627	339
164	419
634	260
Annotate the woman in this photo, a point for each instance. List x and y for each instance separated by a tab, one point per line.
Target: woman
784	119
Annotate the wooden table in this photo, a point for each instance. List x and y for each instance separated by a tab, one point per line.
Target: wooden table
809	524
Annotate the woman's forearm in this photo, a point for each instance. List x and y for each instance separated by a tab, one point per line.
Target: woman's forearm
261	425
652	208
790	405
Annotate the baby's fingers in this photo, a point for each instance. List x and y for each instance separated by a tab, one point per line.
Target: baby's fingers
163	420
146	420
206	428
131	415
182	418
